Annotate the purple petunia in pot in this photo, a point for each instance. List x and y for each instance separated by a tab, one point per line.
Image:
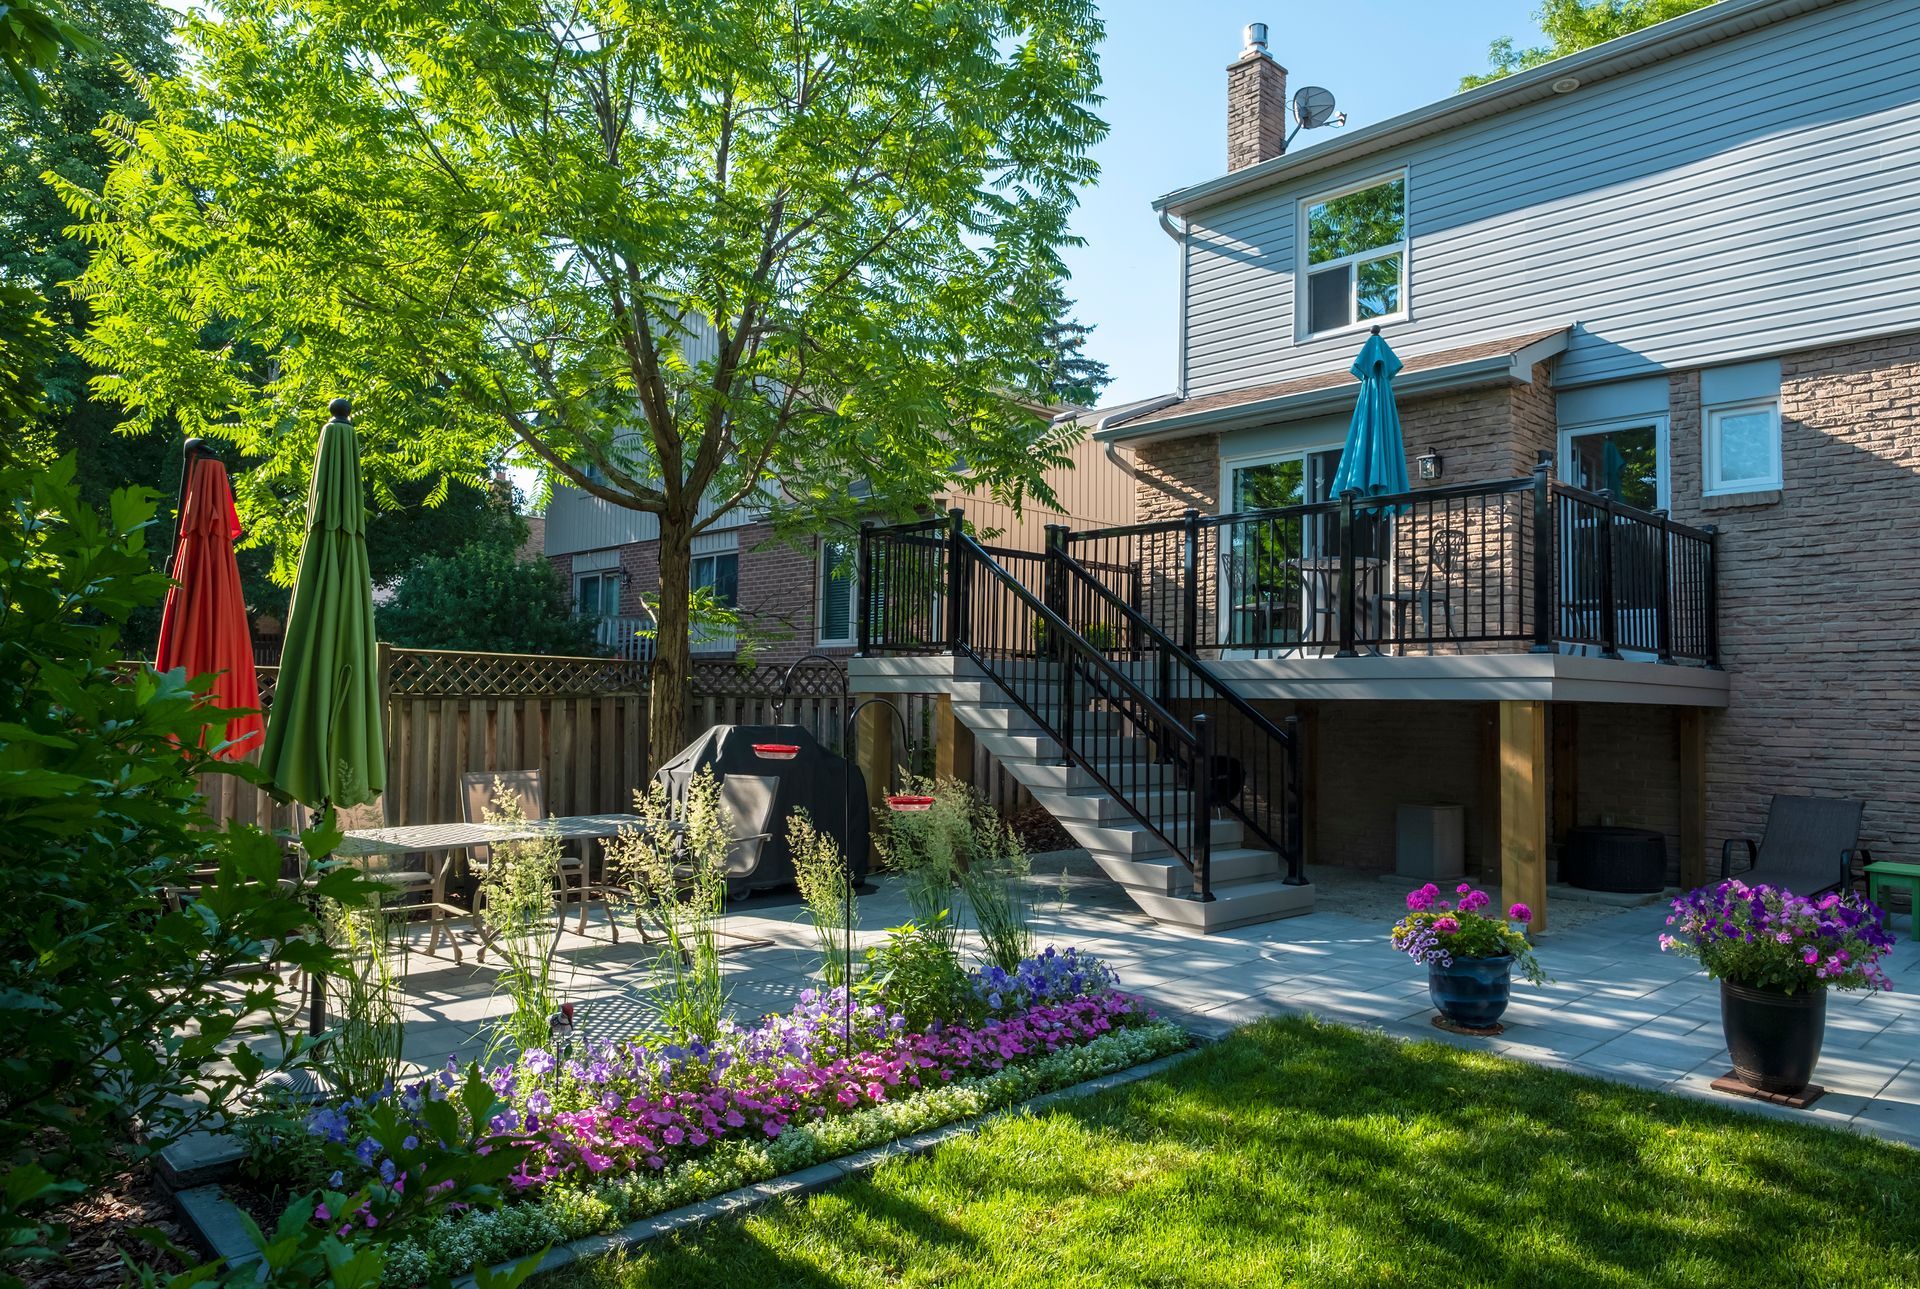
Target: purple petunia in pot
1470	953
1775	955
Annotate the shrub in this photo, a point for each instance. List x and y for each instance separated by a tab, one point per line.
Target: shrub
363	1053
141	949
917	975
485	596
995	880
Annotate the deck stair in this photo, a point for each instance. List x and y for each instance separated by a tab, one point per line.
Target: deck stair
1112	743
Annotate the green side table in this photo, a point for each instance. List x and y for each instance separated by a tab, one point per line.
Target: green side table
1896	876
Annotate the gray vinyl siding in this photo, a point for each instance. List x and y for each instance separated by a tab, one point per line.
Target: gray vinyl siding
1751	197
578	522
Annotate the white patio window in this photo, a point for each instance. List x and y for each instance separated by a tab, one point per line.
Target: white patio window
1353	256
1743	447
836	593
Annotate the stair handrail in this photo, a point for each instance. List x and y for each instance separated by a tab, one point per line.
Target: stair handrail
1288	848
1196	855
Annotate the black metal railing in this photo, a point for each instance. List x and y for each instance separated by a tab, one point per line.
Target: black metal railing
1102	721
1256	762
1465	568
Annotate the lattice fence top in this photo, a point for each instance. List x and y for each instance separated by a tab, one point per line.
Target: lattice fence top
723	679
453	673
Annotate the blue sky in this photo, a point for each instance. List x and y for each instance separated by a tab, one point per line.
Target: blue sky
1164	64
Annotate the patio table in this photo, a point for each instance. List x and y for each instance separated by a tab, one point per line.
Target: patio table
438	842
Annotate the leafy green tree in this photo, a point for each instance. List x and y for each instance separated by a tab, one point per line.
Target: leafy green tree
33	38
485	596
1574	25
671	253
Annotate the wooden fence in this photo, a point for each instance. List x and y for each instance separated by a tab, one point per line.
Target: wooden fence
582	722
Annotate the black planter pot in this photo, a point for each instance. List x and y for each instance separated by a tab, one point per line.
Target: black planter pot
1473	992
1773	1037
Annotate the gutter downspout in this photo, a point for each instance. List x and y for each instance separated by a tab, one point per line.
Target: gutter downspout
1183	235
1117	417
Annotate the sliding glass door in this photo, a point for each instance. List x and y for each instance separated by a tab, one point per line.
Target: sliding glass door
1266	560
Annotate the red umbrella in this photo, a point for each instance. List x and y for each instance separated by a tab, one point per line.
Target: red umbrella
204	625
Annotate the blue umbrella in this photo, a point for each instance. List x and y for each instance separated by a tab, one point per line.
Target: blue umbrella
1374	460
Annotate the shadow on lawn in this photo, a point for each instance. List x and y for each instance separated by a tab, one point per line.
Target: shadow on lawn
1302	1153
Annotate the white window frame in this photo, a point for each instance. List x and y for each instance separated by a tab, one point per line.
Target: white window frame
1712	485
825	571
1662	457
1303	308
1223	611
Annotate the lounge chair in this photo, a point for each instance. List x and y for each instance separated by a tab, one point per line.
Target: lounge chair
1810	846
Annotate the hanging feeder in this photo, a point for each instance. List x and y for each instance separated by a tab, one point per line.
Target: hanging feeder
776	751
908	804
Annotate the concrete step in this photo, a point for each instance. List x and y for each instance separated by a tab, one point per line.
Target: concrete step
1135	841
1051	773
1233	904
1168	875
1095	745
1006	718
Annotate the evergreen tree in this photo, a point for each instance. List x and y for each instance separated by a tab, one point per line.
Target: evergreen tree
1069	376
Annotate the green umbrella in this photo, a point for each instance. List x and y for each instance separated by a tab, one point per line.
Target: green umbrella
324	742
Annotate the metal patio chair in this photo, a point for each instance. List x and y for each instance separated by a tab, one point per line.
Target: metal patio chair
1446	552
1810	846
476	800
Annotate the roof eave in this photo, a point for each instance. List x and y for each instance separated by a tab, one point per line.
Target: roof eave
1515	367
1624	53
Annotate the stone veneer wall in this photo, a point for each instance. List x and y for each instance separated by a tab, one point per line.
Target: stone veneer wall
1819	592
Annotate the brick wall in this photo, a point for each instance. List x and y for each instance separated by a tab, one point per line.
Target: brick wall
1256	110
1818	629
778	589
1627	771
1368	758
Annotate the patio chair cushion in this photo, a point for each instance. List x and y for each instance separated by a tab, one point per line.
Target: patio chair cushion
1807	843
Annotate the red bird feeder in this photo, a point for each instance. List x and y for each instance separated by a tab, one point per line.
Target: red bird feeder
776	751
908	804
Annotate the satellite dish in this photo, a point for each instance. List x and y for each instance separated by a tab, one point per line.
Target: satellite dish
1312	107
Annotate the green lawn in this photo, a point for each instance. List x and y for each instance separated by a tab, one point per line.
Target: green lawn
1299	1153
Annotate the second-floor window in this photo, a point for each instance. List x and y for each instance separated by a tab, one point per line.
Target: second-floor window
719	573
1354	255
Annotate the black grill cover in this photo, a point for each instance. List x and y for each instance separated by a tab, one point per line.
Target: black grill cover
814	781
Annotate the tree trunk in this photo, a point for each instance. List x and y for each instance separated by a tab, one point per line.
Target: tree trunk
667	707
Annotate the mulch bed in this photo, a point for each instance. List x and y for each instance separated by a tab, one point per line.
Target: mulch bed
102	1226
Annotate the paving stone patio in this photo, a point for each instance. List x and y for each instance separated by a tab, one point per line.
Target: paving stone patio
1617	1007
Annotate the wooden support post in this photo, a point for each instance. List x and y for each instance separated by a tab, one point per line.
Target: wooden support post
1523	808
1693	797
952	742
873	749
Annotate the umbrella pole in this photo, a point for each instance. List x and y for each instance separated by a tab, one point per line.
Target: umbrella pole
316	982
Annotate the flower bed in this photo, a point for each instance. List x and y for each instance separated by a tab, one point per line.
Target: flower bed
632	1129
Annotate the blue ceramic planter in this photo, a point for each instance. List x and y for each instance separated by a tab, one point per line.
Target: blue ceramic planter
1473	992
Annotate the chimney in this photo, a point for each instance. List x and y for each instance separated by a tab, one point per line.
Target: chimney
1256	103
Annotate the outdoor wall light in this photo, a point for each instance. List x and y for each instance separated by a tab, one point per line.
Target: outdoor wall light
1429	467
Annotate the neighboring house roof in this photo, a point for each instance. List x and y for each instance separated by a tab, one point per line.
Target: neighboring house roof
1509	359
1615	57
